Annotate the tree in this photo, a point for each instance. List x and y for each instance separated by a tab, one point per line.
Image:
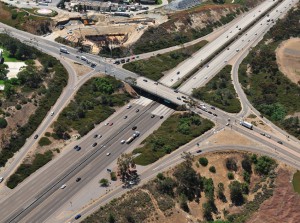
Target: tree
264	165
111	218
230	175
183	203
220	192
104	182
236	193
212	169
203	161
231	164
3	123
247	164
166	186
124	162
188	181
3	71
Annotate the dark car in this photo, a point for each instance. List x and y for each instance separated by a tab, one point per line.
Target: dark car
94	144
78	148
111	124
95	136
134	127
36	136
199	151
176	91
75	147
123	61
117	62
137	110
161	117
152	116
280	142
77	216
127	60
78	179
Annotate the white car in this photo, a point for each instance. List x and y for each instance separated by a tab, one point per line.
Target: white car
1	179
52	113
227	124
128	106
122	141
99	136
63	186
107	154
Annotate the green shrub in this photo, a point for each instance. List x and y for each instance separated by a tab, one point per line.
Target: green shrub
203	161
212	169
230	175
113	176
44	141
3	123
18	107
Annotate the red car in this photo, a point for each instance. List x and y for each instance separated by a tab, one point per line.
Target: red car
111	124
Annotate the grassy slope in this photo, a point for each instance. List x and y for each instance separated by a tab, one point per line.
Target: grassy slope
169	137
296	181
220	92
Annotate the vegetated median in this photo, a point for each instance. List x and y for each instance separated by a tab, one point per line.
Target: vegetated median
296	181
270	91
40	85
176	131
220	92
93	103
154	67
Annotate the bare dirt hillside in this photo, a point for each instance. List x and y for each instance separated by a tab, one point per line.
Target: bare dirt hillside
288	59
284	206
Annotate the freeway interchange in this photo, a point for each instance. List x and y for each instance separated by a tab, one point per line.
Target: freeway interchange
39	197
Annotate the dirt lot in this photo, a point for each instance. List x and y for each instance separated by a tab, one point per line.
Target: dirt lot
288	59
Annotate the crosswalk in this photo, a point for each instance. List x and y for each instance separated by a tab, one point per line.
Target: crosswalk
161	110
142	101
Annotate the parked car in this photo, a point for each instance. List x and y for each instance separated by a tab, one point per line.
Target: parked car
36	136
63	186
107	154
78	179
199	151
134	127
94	144
122	141
152	116
1	179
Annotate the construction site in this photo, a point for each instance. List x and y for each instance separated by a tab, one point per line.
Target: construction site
92	31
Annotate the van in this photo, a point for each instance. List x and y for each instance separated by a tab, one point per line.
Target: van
83	58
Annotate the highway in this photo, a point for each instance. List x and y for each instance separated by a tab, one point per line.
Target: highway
246	40
67	167
59	171
189	65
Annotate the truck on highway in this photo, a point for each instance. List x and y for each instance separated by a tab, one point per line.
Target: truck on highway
131	138
64	50
246	124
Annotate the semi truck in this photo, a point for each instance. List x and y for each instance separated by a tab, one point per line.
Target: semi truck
246	124
131	138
